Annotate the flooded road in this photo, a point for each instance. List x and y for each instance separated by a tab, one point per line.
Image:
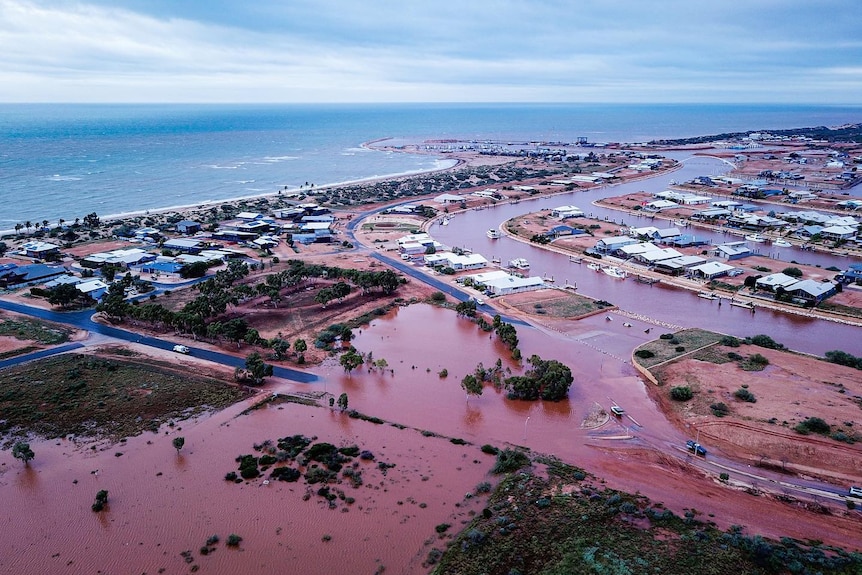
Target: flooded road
659	302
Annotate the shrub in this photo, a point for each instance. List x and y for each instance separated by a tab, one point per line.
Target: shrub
745	395
813	425
719	409
490	449
666	336
679	349
233	540
681	393
723	476
442	528
438	297
101	501
765	341
644	354
729	341
734	356
509	460
443	373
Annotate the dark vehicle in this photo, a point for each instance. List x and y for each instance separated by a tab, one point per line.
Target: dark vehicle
695	447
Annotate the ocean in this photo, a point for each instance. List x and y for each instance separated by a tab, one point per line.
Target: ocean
66	161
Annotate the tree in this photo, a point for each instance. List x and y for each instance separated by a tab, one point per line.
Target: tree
471	385
63	295
279	346
23	452
342	401
91	220
299	346
257	368
793	272
350	360
194	270
3	248
178	443
101	501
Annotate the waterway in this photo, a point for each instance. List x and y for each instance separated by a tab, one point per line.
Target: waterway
660	302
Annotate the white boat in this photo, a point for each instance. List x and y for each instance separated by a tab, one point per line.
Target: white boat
445	221
593	266
679	223
614	272
756	238
520	264
779	243
493	234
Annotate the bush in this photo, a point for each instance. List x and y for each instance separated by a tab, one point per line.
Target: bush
813	425
644	354
681	393
724	476
734	356
509	460
490	449
438	297
666	336
765	341
745	395
729	341
679	349
233	540
719	409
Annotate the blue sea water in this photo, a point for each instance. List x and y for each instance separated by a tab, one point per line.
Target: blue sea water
65	161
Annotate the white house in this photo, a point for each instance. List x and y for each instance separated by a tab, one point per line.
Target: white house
774	281
564	212
513	284
446	199
710	270
659	205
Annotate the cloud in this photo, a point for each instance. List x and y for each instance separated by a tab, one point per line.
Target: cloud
482	50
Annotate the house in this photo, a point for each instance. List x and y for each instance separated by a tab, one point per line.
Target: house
122	258
811	291
187	227
95	288
806	232
711	214
853	273
479	280
560	231
610	244
774	281
678	266
645	232
563	212
838	233
29	275
183	245
632	250
513	284
456	261
659	205
447	199
652	257
233	236
710	270
249	216
731	251
665	235
150	235
169	268
39	250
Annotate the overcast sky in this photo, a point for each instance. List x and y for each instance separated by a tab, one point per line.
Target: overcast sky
771	51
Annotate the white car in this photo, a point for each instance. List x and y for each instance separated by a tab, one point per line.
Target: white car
855	492
181	349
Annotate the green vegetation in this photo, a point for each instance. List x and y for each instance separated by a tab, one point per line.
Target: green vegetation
681	393
509	460
35	330
565	306
664	348
754	362
813	425
101	501
536	524
844	358
22	451
744	395
84	395
178	443
547	379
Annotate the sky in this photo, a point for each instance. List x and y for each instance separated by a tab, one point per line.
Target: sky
625	51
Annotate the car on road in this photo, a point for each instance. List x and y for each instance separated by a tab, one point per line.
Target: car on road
182	349
617	410
695	447
855	491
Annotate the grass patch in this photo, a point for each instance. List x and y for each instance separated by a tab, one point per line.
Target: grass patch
35	330
566	306
114	398
666	349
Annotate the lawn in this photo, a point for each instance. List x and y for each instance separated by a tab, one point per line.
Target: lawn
671	346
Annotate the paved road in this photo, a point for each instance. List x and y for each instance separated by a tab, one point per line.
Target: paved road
39	354
83	320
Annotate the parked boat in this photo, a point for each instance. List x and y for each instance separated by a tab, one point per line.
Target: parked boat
679	223
779	243
756	238
520	264
707	295
593	266
493	234
445	221
614	272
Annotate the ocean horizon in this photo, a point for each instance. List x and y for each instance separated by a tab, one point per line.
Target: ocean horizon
68	160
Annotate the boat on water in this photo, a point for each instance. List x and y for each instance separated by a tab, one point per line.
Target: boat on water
756	238
495	260
519	264
493	234
593	266
779	243
745	304
614	272
445	221
548	279
679	223
707	295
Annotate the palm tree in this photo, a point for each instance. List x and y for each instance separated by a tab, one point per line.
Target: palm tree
28	225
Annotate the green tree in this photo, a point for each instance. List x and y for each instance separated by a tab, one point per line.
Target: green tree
350	360
472	385
194	270
793	272
101	501
178	443
63	295
342	401
3	248
22	451
257	368
279	347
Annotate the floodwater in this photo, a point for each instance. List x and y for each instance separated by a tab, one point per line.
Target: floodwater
162	504
659	304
